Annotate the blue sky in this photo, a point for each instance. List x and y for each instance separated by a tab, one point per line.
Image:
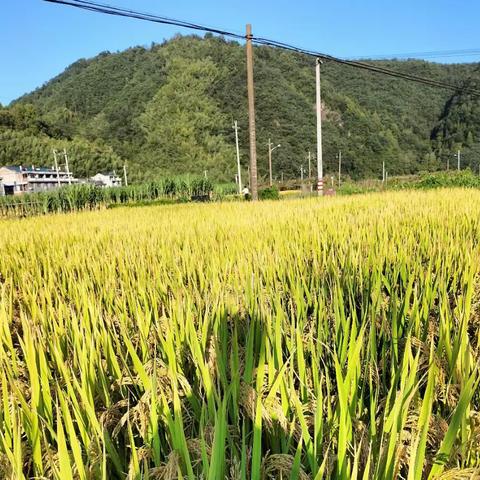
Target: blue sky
38	40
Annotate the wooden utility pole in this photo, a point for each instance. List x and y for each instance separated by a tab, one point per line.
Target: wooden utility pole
319	131
239	170
56	166
125	174
251	116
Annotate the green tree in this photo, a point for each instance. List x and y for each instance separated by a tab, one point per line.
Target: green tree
184	126
192	88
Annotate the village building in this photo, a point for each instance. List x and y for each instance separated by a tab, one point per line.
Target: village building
17	180
106	180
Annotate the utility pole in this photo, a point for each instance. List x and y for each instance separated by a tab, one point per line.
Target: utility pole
301	172
319	131
251	115
309	164
66	166
458	159
448	163
339	166
270	150
383	172
56	166
125	174
239	171
270	161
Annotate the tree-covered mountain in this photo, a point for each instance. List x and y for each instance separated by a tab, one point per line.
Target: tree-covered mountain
169	109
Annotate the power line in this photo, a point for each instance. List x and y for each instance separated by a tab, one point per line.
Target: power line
116	11
370	67
430	54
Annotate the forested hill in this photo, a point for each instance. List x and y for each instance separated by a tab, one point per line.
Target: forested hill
168	109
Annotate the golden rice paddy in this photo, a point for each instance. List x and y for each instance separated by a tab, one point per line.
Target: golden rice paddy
333	338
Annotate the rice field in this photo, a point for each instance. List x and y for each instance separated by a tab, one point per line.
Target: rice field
333	338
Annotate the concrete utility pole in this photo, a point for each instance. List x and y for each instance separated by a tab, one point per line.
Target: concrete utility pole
56	166
270	161
339	166
270	150
125	174
251	115
66	166
383	172
319	131
458	160
239	170
309	164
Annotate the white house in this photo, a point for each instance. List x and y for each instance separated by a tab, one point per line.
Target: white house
18	179
106	180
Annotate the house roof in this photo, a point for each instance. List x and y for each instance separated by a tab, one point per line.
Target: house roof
12	168
108	174
21	169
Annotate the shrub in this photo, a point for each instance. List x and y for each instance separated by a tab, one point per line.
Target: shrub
269	193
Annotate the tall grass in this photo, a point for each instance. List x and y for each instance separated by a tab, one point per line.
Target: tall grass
90	197
314	339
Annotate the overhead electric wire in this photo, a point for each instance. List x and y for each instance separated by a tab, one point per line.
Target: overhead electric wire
111	10
370	67
421	55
